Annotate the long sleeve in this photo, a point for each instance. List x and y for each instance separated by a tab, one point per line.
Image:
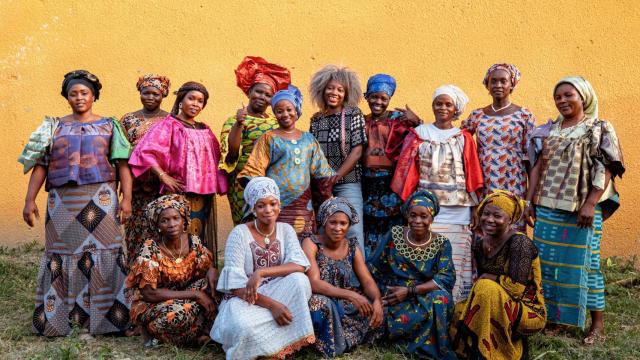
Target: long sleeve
39	144
522	251
445	277
234	275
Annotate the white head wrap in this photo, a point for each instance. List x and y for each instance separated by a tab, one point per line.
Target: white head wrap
456	94
260	188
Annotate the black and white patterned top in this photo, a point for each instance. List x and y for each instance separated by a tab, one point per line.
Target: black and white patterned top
327	130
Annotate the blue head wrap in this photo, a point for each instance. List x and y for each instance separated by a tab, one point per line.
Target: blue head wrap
291	94
381	82
422	198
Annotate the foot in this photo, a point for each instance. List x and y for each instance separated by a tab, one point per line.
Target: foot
594	336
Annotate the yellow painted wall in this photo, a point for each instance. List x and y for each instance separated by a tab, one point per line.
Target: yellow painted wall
422	43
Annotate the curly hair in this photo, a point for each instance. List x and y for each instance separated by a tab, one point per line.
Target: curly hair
345	76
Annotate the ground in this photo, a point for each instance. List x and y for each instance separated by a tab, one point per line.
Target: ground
19	267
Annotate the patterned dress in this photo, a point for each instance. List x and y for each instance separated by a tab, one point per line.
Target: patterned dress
252	129
419	324
338	325
83	270
292	164
502	150
144	190
176	321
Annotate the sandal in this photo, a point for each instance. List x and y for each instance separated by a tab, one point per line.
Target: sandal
594	337
152	343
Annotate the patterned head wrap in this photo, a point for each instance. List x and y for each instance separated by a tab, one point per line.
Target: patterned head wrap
254	69
259	188
513	71
291	94
161	83
81	77
172	201
456	94
381	82
334	205
422	198
505	201
586	92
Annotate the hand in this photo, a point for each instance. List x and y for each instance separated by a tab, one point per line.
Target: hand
174	185
30	213
203	299
489	277
378	314
395	295
251	289
281	314
409	116
530	215
241	115
125	210
212	281
586	214
361	303
333	180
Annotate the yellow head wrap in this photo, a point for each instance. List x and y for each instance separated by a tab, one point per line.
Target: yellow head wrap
506	201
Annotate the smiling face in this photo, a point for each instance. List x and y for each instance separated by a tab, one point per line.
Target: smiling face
568	101
267	210
171	223
378	102
419	219
336	227
81	98
259	98
334	94
286	115
444	108
494	221
151	98
192	104
500	84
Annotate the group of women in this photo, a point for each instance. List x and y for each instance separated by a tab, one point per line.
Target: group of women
365	227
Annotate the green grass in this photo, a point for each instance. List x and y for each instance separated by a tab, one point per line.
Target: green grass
19	268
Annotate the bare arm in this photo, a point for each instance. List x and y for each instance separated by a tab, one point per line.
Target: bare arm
30	213
319	286
534	176
126	181
172	184
587	211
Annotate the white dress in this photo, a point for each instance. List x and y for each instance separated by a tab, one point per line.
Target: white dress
248	331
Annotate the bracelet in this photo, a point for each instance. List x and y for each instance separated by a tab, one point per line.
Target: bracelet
162	173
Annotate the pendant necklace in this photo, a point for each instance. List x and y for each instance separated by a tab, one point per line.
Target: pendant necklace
500	109
267	241
177	259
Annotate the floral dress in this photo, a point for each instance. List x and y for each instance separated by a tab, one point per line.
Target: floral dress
337	323
176	321
420	323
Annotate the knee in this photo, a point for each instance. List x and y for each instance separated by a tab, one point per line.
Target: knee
487	288
301	282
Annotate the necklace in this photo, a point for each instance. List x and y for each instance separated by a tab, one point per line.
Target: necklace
267	241
175	259
500	109
414	244
152	115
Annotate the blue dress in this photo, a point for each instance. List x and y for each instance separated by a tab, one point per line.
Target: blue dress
419	324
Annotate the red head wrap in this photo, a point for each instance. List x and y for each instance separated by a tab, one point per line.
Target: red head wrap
254	69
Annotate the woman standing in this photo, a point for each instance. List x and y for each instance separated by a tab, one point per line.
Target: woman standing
340	130
82	271
578	156
506	303
443	159
292	158
502	132
265	310
259	80
342	316
153	88
414	270
173	278
184	154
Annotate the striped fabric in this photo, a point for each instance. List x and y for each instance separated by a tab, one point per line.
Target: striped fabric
571	278
460	238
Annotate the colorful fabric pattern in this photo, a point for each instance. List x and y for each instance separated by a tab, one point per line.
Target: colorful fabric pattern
337	139
337	323
161	83
176	321
461	239
381	208
39	143
83	270
292	164
419	324
567	255
252	129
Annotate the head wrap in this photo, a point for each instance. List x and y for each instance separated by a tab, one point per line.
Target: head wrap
334	205
586	92
172	201
291	94
422	198
254	69
259	188
161	83
381	82
456	94
513	71
506	201
184	90
81	77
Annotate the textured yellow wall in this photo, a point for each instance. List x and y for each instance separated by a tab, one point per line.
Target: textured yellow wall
422	43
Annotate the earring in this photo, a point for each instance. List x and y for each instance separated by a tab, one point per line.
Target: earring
159	230
179	105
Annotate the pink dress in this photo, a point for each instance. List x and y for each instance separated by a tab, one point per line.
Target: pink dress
188	155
